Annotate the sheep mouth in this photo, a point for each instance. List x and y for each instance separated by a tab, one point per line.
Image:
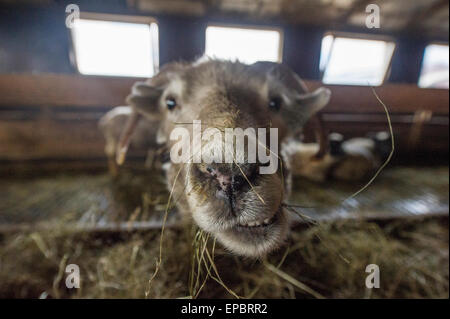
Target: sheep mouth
250	222
258	229
259	224
252	240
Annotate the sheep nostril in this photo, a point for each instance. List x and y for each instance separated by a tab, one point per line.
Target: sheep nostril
229	181
238	181
224	182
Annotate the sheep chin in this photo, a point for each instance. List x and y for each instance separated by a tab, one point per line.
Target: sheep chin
256	243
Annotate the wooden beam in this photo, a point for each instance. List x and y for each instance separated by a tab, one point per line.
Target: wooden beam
420	15
55	116
25	140
359	5
53	139
399	98
63	90
91	91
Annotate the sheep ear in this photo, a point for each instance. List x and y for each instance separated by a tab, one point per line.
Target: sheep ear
300	104
308	104
299	108
144	99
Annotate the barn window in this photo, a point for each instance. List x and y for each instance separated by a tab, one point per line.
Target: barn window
115	45
247	45
435	67
355	61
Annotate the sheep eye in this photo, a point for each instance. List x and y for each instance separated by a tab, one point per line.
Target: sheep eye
275	103
171	103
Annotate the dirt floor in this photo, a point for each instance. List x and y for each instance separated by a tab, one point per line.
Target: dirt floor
50	222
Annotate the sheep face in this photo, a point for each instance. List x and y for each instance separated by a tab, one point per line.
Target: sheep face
233	200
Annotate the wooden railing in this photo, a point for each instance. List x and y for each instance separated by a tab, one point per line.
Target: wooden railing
54	116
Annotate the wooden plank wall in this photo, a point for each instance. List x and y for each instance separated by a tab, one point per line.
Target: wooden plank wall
54	116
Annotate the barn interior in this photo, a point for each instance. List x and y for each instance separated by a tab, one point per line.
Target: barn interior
61	205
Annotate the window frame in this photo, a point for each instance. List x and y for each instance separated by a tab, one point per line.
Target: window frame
442	43
251	27
85	15
360	36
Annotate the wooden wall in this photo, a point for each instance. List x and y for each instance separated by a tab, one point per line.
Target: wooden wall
54	116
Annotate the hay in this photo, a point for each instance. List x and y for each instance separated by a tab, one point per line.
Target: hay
391	153
321	259
413	259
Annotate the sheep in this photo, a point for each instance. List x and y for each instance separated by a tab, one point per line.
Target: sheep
233	201
349	160
360	156
113	123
